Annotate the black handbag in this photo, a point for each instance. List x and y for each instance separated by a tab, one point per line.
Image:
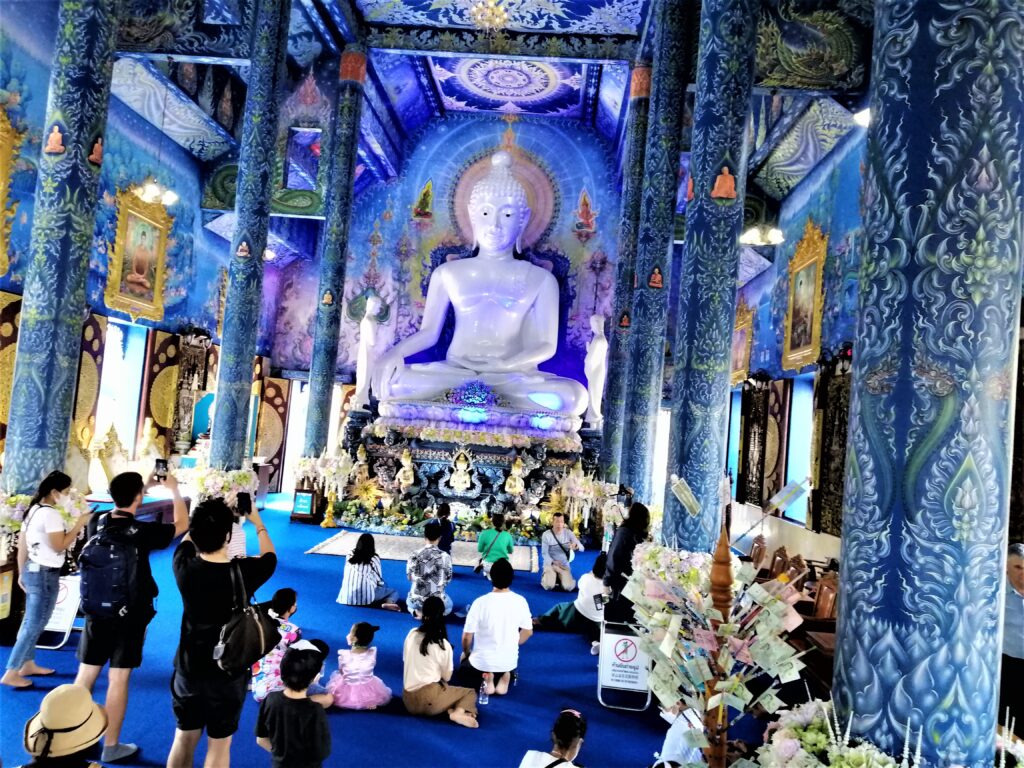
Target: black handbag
249	635
480	563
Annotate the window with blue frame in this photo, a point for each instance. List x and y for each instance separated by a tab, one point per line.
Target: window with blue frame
801	440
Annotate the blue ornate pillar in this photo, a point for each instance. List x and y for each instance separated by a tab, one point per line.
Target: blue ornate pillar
932	399
46	363
252	206
653	257
629	224
707	299
334	248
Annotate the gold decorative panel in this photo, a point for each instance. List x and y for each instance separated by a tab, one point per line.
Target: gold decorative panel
135	270
9	141
803	317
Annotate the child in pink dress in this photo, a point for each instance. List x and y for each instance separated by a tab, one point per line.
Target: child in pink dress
354	686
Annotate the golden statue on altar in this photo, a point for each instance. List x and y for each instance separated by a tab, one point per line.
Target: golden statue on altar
515	485
406	475
461	480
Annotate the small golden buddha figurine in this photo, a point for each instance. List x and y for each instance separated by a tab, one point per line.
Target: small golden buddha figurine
624	320
243	250
514	485
54	142
406	475
461	479
689	188
656	280
361	471
328	299
96	156
725	186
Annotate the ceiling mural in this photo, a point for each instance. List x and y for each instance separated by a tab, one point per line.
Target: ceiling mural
149	93
814	135
304	44
611	99
512	86
406	84
580	17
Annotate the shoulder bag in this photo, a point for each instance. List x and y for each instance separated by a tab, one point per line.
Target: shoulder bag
249	635
480	563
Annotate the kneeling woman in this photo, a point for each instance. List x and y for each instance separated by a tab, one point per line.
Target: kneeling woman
583	614
428	668
363	583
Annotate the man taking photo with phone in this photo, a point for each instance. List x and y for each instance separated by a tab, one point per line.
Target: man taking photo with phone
119	594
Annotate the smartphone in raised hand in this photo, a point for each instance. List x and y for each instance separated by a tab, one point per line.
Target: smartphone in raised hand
160	469
244	504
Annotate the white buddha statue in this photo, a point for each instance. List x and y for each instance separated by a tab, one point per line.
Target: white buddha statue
506	314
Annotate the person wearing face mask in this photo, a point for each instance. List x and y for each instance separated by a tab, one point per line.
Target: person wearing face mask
567	739
45	536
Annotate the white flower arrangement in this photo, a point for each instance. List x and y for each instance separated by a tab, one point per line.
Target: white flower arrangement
225	484
73	506
12	511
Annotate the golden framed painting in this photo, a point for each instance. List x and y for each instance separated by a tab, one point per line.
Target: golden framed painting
9	141
742	341
802	343
137	267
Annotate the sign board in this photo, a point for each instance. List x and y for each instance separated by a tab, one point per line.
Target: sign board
784	499
69	596
303	505
682	491
624	666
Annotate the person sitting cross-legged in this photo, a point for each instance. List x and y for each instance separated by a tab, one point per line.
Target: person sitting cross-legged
496	625
556	546
429	571
585	613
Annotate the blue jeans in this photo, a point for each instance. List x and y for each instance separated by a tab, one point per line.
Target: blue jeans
40	599
416	603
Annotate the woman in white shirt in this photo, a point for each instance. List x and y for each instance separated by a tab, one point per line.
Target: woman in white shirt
584	614
567	738
428	668
41	546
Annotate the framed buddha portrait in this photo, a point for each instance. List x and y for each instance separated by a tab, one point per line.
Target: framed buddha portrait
742	341
136	267
802	343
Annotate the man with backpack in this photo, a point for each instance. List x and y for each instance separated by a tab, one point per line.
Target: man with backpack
118	594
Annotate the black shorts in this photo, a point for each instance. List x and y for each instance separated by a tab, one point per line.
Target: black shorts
118	641
213	703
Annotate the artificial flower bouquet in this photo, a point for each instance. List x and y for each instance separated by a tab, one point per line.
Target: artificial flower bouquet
225	484
12	511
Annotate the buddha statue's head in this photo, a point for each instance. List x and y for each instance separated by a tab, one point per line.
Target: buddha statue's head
498	210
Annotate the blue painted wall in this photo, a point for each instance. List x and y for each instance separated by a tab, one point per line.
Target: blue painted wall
830	197
133	150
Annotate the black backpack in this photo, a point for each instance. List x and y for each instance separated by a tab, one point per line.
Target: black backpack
109	565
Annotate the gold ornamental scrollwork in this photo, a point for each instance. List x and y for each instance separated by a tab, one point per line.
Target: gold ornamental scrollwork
742	342
10	139
802	343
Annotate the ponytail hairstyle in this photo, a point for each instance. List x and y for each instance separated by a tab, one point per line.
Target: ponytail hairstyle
432	628
55	481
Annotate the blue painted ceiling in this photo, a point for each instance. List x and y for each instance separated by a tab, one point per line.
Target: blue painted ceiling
582	17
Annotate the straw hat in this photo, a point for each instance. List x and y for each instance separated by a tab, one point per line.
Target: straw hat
68	721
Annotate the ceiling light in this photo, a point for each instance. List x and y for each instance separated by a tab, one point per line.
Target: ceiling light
169	197
762	235
269	255
488	15
151	192
862	118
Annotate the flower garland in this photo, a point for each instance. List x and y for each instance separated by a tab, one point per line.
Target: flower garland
12	511
225	484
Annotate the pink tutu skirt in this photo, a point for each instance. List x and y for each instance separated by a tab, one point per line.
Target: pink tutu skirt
368	694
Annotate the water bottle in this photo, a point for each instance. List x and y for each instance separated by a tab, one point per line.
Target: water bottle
483	698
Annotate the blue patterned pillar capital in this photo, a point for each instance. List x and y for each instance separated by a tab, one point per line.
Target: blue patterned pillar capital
46	363
629	224
932	395
252	206
649	319
707	299
334	248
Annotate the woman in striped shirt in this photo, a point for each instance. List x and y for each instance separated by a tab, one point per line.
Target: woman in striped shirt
363	582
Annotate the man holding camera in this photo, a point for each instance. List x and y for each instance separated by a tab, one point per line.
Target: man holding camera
119	639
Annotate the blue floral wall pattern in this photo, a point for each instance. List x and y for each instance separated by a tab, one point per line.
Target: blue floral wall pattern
827	197
398	231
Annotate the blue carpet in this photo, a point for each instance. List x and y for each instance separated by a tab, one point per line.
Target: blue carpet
557	671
